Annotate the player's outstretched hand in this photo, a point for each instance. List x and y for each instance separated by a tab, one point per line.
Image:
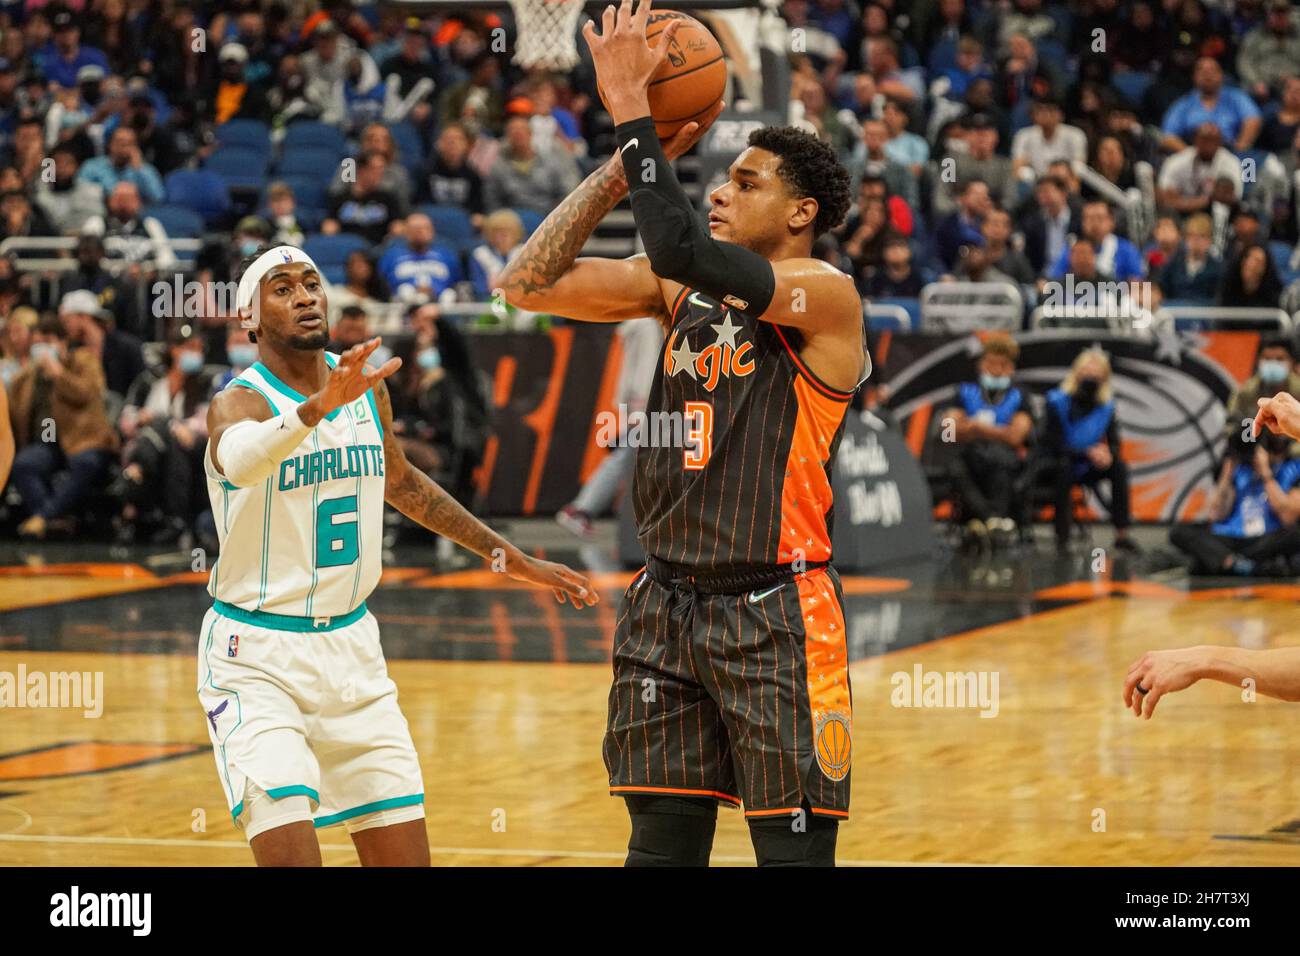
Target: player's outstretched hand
352	378
1157	673
1279	414
625	61
564	582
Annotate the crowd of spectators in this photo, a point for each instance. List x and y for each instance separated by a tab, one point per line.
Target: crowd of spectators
1020	142
1161	134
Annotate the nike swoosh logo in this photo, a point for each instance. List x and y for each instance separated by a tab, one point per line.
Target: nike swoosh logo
755	597
699	302
634	141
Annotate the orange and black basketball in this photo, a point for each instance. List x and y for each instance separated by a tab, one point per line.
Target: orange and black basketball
691	79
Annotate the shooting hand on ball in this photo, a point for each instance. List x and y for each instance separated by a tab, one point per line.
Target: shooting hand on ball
625	61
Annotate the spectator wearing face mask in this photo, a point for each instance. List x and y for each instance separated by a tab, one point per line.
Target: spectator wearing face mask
440	408
1274	372
417	270
351	328
504	233
89	327
991	425
64	438
282	212
1252	529
67	203
164	422
1081	445
123	162
241	352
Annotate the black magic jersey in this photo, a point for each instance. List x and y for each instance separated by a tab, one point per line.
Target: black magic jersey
752	487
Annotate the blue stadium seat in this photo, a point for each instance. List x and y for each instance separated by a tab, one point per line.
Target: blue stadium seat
309	192
200	190
410	146
1053	51
911	306
247	134
943	56
315	161
1281	252
240	167
1132	85
452	226
314	134
530	219
181	222
331	253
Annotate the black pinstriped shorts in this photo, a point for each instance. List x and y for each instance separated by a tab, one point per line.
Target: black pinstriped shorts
741	697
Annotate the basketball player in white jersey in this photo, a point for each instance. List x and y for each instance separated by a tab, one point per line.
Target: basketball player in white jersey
303	717
1274	672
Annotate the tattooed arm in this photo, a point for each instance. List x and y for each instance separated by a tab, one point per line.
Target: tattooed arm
421	499
548	275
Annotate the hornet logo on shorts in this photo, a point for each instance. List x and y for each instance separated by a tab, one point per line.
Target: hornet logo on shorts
724	357
217	712
834	745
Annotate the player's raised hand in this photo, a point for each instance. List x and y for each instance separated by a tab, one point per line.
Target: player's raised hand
564	582
625	61
1279	414
351	378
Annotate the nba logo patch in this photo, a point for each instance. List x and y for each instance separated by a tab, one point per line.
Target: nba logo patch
232	649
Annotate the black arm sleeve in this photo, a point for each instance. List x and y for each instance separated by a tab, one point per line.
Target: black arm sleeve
677	246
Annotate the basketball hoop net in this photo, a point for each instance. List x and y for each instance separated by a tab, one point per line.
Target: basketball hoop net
546	33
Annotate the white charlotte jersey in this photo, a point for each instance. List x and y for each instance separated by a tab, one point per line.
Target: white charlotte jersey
307	541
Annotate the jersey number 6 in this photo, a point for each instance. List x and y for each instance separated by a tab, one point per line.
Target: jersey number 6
336	541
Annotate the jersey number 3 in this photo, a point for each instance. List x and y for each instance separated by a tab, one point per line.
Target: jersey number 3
336	541
699	436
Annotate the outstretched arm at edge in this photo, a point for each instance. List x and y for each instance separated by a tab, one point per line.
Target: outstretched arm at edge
421	499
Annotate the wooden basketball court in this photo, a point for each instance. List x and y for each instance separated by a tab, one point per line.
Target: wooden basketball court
505	693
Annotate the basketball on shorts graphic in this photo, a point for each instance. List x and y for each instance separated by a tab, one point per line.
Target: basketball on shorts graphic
834	746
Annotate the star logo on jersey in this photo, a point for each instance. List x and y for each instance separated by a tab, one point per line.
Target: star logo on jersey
726	331
725	356
682	359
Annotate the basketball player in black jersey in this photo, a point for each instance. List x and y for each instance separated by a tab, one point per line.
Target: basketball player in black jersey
730	672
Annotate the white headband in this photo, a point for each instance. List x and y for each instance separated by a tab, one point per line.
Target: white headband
245	297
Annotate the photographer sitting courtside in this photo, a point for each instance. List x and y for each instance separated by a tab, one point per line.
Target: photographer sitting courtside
992	426
1253	514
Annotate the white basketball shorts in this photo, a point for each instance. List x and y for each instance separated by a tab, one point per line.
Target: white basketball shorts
303	708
